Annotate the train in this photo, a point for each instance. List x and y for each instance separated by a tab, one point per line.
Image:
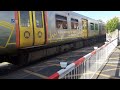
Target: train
27	36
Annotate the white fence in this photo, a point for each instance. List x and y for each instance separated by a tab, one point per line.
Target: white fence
88	65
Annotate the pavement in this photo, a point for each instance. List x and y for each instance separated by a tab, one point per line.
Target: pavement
110	69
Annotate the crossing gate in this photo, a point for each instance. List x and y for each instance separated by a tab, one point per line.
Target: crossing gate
88	65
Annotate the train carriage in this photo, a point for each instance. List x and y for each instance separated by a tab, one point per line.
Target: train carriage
32	30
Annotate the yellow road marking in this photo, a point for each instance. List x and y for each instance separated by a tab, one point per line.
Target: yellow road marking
115	58
51	64
112	65
110	69
36	74
89	72
55	65
108	76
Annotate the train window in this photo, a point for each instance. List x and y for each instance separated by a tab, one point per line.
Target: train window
74	23
92	26
96	26
38	15
24	19
61	22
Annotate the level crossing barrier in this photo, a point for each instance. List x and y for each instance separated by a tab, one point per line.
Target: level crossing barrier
88	65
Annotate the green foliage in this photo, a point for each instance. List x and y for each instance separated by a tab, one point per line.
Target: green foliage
112	24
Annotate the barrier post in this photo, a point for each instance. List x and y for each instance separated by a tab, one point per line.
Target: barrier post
96	59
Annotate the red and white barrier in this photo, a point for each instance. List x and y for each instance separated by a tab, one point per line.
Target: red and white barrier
87	66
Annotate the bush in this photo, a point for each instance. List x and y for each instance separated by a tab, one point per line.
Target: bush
112	24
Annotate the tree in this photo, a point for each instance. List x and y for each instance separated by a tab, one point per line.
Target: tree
112	24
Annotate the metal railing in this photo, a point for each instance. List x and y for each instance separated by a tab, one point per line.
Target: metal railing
88	65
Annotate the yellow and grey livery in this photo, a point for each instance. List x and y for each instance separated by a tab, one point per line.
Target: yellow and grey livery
23	30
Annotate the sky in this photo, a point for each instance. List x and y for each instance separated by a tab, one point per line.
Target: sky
103	15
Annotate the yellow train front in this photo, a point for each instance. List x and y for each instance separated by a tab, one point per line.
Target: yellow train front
26	36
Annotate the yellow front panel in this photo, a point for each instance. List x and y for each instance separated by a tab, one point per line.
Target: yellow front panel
39	31
26	29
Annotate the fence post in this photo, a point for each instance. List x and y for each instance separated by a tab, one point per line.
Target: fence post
106	53
95	48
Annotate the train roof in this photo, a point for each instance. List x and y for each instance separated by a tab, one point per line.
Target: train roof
77	14
71	13
74	13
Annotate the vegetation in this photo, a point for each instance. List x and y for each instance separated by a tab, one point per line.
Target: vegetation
112	24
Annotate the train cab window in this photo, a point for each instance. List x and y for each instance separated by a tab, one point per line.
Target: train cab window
96	26
92	26
61	22
38	15
24	19
74	23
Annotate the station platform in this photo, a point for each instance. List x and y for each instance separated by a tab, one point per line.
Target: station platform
111	68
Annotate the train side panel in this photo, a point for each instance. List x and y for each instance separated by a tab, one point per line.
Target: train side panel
90	32
31	29
55	34
93	28
82	31
60	34
102	28
7	32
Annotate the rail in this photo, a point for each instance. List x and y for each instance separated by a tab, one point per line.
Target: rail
88	65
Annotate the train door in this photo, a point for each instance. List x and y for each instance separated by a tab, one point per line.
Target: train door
85	28
26	28
31	24
39	30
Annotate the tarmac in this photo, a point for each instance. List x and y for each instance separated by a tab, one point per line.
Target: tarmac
44	69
